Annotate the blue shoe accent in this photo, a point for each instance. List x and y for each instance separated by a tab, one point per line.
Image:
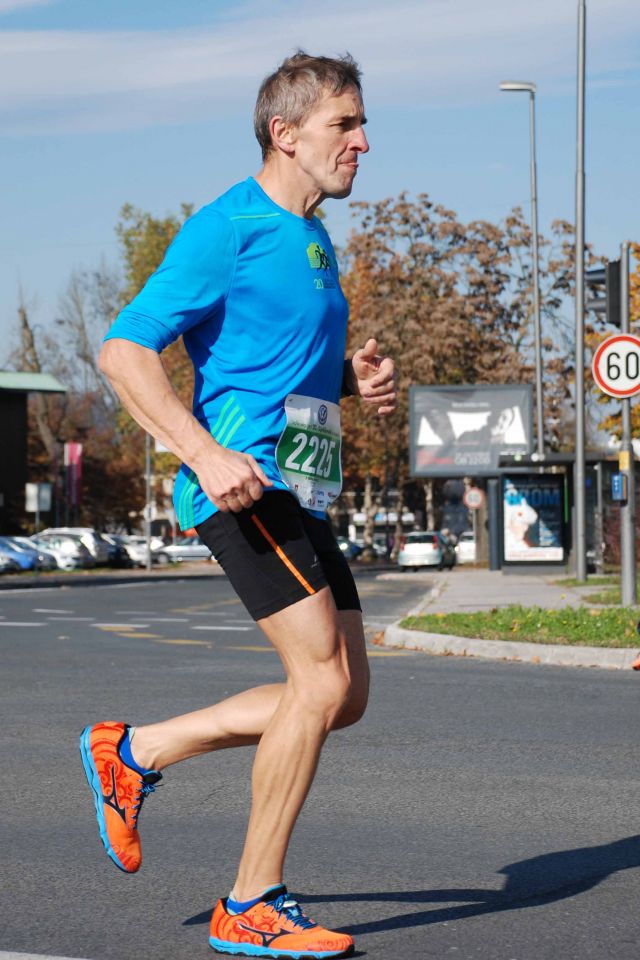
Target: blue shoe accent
94	782
253	950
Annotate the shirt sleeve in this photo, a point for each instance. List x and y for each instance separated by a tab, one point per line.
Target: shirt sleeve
190	284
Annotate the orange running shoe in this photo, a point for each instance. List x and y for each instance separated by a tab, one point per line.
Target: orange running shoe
274	927
118	792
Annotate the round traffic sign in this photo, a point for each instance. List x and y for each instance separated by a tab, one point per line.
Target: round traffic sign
473	498
616	365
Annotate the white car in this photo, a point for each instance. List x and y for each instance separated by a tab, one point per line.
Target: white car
189	548
136	547
426	549
68	549
99	548
466	548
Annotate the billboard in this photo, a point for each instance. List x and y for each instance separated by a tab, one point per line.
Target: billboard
534	518
461	431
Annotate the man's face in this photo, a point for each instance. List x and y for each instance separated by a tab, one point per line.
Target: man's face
327	145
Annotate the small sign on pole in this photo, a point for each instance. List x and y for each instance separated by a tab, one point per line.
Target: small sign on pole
473	498
616	365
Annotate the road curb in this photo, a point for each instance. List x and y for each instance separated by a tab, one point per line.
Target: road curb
444	644
16	582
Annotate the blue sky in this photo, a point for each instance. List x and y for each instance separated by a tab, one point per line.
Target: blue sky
150	102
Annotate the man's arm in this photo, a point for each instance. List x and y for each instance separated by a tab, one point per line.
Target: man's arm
371	377
231	480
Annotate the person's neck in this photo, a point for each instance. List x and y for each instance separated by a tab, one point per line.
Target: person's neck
288	190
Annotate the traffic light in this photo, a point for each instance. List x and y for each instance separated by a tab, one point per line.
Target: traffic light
604	284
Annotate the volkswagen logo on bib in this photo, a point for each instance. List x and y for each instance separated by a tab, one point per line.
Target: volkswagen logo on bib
322	414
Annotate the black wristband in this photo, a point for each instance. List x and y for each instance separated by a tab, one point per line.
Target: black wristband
345	390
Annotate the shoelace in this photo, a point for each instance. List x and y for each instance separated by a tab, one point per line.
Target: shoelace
145	790
292	911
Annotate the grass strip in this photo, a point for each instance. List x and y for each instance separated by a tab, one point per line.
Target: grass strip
582	626
611	596
607	580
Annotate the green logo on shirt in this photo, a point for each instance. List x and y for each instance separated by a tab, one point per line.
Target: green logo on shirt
319	259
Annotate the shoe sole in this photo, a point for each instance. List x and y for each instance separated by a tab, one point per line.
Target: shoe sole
253	950
94	782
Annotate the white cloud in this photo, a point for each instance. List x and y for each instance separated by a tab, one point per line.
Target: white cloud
426	52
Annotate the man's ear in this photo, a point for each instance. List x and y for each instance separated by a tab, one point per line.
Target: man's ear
282	135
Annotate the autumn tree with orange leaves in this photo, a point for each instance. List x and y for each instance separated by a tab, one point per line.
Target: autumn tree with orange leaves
452	303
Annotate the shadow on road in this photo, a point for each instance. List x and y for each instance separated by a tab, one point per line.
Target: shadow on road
529	883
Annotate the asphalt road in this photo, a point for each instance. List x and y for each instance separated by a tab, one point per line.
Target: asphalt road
480	810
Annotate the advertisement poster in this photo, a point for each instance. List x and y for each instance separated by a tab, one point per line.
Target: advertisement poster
533	518
461	431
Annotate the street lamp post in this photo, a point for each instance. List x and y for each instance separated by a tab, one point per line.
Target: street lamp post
510	86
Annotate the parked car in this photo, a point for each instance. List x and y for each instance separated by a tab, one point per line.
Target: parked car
68	549
8	564
137	548
466	547
44	559
427	548
350	549
189	548
99	548
119	555
25	560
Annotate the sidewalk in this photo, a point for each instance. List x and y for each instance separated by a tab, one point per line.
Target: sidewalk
463	590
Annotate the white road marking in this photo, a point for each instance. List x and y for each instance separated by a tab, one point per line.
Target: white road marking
87	619
119	626
50	610
221	628
22	623
167	620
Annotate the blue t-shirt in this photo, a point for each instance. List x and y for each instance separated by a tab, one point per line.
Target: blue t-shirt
255	292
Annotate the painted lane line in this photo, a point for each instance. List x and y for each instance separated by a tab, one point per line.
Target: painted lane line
118	626
23	623
86	619
138	636
166	620
50	610
191	643
251	649
242	629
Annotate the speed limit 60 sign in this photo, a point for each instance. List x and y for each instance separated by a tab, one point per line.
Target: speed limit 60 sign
616	365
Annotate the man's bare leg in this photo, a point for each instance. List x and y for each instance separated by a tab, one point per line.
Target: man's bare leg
323	652
237	721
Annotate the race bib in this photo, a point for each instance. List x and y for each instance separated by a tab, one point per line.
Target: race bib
308	451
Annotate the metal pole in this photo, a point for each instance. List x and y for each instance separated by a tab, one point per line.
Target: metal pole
579	472
599	520
627	508
536	278
147	508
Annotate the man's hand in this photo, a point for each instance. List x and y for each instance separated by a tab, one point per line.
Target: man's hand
374	378
232	480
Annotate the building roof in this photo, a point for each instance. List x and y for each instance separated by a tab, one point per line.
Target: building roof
19	382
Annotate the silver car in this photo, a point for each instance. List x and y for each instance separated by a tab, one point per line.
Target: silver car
189	548
69	550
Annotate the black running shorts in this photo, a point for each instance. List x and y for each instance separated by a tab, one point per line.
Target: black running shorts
276	553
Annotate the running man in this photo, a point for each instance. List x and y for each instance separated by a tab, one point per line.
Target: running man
251	283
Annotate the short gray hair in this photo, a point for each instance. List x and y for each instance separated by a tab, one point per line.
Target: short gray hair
297	86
